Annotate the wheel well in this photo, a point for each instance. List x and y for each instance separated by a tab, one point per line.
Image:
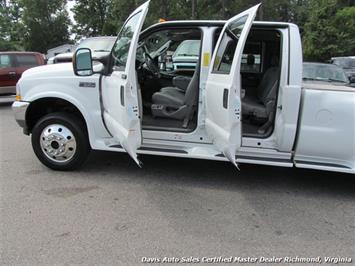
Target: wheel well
44	106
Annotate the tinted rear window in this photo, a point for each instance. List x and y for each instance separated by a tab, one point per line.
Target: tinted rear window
26	60
5	61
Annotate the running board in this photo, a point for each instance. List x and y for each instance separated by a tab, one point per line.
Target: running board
153	149
325	167
263	161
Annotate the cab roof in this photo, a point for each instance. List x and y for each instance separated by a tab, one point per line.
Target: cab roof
211	23
217	23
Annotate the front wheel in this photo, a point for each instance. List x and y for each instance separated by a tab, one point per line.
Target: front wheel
60	141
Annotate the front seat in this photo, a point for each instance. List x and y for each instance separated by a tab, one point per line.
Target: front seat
180	83
177	103
262	107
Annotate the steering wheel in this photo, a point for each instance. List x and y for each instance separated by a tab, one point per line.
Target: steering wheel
149	61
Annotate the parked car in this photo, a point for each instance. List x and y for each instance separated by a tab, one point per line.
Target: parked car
124	103
347	63
100	46
61	58
186	55
320	72
12	65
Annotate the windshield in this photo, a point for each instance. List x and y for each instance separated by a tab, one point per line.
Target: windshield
156	42
324	72
188	48
346	63
98	44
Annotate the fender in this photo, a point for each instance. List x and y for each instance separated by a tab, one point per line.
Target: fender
86	100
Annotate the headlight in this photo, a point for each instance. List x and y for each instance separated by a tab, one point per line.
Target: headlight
18	92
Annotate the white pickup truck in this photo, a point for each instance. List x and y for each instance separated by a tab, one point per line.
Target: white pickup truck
244	102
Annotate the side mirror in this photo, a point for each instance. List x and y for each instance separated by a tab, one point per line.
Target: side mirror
82	62
352	79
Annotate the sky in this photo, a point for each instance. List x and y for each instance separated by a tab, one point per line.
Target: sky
70	4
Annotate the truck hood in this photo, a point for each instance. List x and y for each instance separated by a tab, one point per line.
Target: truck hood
56	70
350	72
183	59
64	55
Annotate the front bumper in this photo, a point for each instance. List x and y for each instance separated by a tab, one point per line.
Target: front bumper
19	108
8	90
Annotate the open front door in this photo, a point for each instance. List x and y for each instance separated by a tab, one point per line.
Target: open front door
223	100
119	92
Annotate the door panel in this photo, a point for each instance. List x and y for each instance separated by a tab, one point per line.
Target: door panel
120	88
7	71
24	62
223	102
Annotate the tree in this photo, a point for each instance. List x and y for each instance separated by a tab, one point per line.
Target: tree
119	12
193	9
46	23
327	26
90	17
346	17
11	27
330	30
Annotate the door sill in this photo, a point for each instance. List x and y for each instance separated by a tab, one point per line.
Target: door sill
165	129
167	125
263	161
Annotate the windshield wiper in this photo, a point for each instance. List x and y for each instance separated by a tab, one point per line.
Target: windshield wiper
102	50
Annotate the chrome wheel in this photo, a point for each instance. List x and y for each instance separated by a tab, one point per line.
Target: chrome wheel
58	143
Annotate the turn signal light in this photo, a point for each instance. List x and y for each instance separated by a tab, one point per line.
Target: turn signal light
18	97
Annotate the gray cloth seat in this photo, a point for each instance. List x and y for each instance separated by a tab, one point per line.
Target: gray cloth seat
178	102
180	83
262	106
169	96
251	106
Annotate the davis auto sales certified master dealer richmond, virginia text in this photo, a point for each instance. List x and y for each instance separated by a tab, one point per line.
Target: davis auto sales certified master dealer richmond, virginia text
237	259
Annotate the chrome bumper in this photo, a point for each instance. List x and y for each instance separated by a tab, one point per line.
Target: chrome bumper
8	90
19	109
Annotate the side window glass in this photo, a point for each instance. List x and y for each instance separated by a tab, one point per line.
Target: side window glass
251	60
224	60
216	35
5	61
26	60
123	43
226	50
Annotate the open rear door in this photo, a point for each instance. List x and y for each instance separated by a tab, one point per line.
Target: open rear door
223	97
119	90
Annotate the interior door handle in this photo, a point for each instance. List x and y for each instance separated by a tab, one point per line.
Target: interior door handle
225	98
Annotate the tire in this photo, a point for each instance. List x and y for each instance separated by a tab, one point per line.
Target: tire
60	141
